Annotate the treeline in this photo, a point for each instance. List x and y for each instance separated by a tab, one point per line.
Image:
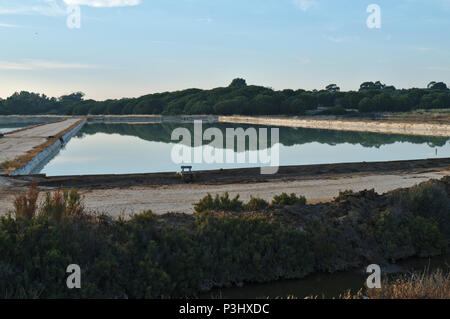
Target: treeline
240	98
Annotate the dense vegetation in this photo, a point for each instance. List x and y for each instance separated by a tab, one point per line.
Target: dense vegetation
224	203
240	98
225	242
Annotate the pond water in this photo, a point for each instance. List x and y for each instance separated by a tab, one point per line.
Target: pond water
328	285
146	148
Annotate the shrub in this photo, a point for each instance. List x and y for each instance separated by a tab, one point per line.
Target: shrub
250	248
25	204
427	239
255	204
179	255
224	203
428	200
285	199
219	203
416	286
144	257
344	194
393	236
61	204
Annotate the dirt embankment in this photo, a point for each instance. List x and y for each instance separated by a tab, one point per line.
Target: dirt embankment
243	175
397	126
19	147
116	194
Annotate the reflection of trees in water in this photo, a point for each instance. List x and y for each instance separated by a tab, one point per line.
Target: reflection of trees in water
288	136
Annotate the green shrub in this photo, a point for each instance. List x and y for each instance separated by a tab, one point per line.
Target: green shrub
255	204
224	203
250	248
393	236
324	245
219	203
427	239
285	199
344	194
61	204
428	200
178	255
145	256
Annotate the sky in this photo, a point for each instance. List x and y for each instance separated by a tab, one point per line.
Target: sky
128	48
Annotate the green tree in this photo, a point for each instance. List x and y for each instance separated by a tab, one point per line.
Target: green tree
437	86
238	82
332	88
365	105
74	97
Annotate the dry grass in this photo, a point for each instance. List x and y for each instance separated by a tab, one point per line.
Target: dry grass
414	286
8	165
20	161
25	205
58	205
61	204
423	285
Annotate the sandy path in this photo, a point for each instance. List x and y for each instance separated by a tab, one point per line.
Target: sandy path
180	198
19	143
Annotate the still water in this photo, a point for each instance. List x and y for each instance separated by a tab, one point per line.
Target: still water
329	285
145	148
5	128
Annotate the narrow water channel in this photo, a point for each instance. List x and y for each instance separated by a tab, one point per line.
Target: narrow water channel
324	285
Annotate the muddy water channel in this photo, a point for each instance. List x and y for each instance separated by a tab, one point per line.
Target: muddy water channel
329	285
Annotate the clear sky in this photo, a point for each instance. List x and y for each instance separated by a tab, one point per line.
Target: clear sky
127	48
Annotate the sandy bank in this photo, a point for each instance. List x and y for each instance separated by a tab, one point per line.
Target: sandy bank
359	125
180	197
20	142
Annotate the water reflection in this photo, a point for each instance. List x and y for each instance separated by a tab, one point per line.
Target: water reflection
142	148
328	285
5	128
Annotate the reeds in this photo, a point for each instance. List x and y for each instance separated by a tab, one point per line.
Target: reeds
424	285
25	205
57	205
416	286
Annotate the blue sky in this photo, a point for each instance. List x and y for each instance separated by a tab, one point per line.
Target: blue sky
127	48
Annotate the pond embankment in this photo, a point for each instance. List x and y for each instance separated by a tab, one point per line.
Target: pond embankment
29	119
424	125
24	150
165	192
359	125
